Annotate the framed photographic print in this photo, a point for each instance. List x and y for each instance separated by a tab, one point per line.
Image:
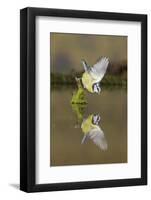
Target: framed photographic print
83	99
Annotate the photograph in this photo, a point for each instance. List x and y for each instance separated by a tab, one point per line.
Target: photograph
88	99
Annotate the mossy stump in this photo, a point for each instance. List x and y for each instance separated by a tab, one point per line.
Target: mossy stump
79	97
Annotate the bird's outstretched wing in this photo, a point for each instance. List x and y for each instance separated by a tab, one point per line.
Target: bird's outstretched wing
99	69
97	136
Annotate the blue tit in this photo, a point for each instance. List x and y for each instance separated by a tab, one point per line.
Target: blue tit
91	129
92	76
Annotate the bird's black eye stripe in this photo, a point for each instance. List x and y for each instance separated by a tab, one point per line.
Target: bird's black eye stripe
97	86
81	83
93	86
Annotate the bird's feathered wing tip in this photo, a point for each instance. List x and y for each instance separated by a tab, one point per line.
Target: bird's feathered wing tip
85	66
84	139
97	136
99	69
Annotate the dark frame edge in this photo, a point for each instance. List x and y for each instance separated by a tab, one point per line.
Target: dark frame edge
23	99
144	99
87	185
26	183
87	14
27	100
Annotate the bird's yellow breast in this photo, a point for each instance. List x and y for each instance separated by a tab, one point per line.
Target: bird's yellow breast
87	125
88	81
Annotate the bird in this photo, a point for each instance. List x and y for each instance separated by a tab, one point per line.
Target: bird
91	129
92	76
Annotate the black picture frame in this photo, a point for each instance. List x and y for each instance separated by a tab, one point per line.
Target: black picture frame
28	99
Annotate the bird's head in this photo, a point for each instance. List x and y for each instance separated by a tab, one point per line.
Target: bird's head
96	88
95	119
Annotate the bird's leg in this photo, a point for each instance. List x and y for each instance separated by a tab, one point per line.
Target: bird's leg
78	81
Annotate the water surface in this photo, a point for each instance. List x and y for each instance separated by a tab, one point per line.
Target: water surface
66	132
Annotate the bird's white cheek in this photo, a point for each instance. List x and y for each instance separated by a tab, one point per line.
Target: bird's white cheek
95	89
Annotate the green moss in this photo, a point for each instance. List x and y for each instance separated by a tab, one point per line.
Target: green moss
79	110
79	97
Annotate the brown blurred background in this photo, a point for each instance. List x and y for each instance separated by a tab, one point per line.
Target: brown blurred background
67	51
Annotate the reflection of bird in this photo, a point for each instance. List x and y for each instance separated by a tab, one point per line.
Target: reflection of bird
79	110
92	131
93	75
